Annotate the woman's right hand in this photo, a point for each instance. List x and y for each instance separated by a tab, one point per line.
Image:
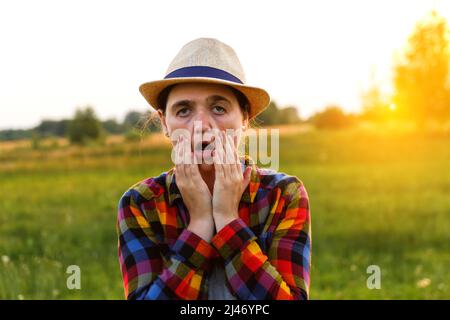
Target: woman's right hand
194	191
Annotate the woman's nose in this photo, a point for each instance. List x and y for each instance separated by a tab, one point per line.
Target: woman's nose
204	120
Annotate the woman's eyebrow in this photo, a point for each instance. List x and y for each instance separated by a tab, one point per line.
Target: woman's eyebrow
210	99
182	103
215	98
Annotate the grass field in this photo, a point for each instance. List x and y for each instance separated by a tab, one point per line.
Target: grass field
378	197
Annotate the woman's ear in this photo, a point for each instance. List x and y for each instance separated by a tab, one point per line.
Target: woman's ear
245	121
162	119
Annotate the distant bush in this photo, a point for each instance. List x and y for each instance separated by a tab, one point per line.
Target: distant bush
332	118
51	128
132	135
84	127
274	115
112	126
15	134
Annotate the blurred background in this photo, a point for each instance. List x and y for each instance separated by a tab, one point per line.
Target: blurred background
360	93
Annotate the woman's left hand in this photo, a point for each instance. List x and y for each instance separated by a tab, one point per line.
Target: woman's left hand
230	182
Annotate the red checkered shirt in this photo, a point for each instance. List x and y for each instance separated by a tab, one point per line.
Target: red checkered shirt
266	252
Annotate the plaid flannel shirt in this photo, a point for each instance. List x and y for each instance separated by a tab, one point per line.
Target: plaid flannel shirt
266	252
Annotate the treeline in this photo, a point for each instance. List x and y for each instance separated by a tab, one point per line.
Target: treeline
275	115
85	125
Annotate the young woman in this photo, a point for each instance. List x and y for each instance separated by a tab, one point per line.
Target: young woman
214	226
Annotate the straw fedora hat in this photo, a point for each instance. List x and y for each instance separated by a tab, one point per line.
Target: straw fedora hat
207	60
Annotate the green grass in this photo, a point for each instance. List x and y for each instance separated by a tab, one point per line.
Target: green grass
376	198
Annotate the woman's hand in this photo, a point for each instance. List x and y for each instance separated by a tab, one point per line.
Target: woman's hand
229	182
194	191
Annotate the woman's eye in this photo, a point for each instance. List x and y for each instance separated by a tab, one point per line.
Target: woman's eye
183	112
219	109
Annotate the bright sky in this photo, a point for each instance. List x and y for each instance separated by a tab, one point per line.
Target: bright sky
57	55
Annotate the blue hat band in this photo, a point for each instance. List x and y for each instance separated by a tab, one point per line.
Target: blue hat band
202	71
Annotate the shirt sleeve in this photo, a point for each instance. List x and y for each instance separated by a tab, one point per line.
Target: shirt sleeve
146	274
282	273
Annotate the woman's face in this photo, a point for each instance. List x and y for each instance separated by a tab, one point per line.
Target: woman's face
213	106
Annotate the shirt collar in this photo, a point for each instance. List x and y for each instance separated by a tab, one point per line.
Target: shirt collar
249	193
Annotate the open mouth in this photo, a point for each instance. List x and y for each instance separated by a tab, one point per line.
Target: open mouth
203	145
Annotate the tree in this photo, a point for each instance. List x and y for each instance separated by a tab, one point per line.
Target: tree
85	126
49	128
421	74
132	120
288	115
332	118
269	116
274	115
375	105
145	122
112	126
15	134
